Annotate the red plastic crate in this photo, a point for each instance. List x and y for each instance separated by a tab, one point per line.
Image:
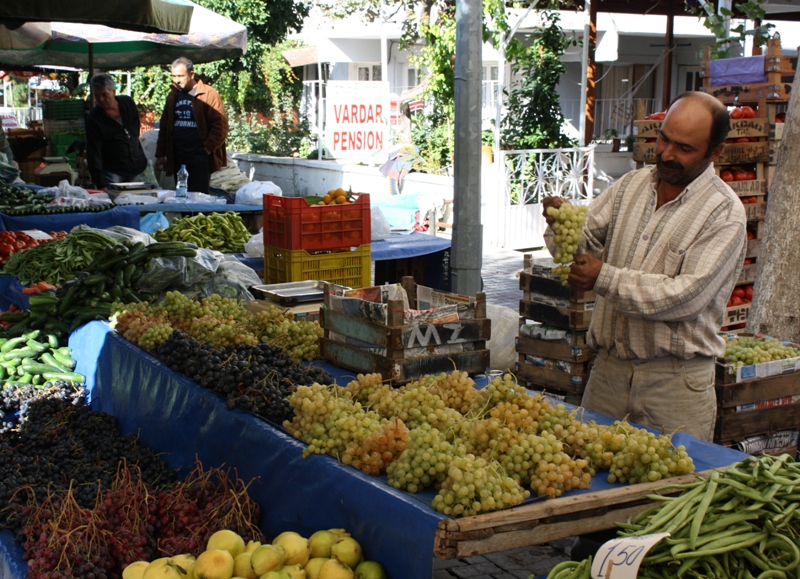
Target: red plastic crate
291	223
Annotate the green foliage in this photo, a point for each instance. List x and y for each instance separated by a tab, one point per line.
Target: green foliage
723	46
533	118
434	137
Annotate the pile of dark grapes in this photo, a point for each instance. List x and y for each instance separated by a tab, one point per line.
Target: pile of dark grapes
258	379
15	399
62	443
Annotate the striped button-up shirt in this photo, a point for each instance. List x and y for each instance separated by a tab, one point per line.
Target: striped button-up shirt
667	273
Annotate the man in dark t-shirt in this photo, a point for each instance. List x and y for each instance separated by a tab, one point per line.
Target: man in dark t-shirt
193	128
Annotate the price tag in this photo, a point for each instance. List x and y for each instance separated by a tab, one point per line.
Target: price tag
620	558
37	234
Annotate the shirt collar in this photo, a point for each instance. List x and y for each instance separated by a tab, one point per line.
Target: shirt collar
701	181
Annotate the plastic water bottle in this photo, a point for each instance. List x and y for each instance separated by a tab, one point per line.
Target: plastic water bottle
183	182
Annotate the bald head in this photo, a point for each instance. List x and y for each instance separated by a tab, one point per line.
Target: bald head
719	124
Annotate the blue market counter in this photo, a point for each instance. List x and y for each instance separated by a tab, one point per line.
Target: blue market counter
175	416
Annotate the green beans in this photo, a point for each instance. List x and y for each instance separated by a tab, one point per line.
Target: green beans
739	523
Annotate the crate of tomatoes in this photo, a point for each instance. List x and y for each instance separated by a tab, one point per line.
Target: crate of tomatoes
14	241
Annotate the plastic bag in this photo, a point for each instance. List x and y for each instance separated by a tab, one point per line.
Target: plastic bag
502	344
122	233
163	273
131	199
202	267
253	193
380	227
152	222
255	246
149	174
233	279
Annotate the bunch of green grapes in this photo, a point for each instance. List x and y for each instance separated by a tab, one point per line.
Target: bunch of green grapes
379	449
425	460
568	229
475	485
329	420
560	474
367	387
642	456
415	404
222	332
499	390
154	336
457	390
746	351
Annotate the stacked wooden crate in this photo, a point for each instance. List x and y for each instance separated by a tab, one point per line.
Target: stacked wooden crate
404	331
553	355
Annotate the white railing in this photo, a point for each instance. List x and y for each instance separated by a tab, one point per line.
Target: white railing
312	105
525	178
610	114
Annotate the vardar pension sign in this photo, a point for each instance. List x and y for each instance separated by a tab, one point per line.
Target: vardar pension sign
356	118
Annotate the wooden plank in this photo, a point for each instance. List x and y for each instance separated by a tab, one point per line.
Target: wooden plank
758	127
644	152
758	390
554	350
736	426
736	315
753	247
755	211
645	128
749	188
740	153
553	288
544	533
547	379
739	94
747	275
551	315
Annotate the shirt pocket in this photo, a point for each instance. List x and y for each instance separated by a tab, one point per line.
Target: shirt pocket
673	261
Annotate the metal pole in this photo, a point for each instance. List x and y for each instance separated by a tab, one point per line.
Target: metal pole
467	250
585	69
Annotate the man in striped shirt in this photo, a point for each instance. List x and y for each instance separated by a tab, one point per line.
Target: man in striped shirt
662	250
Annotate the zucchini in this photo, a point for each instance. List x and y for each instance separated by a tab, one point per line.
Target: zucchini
43	299
50	360
13	317
12	344
65	376
39	368
95	279
64	360
19	354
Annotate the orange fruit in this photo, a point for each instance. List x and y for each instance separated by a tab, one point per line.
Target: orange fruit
341	192
341	199
327	199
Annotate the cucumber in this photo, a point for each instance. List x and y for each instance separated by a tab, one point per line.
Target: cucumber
11	344
65	376
43	299
64	360
19	354
40	368
50	360
95	279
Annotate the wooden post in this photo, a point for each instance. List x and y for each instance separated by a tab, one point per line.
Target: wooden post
666	95
527	263
591	73
394	315
480	305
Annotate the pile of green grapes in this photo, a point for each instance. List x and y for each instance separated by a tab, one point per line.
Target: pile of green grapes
747	351
223	322
483	450
568	229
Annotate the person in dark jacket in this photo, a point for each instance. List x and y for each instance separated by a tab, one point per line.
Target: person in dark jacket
193	128
113	151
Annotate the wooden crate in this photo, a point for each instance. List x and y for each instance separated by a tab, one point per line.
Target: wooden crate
732	425
747	275
732	153
530	283
545	520
554	350
568	319
402	351
548	379
751	188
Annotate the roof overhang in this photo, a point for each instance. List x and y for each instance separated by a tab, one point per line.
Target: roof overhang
301	56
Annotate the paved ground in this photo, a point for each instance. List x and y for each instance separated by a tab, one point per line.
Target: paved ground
501	284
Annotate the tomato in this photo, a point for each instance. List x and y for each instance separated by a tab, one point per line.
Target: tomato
659	116
780	118
735	113
740	175
748	292
6	249
752	199
751	235
736	301
723	329
20	245
749	260
726	175
650	140
738	293
739	140
751	175
748	112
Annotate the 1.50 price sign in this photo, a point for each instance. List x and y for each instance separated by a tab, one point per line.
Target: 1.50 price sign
620	558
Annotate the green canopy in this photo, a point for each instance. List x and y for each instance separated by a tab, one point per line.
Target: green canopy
172	16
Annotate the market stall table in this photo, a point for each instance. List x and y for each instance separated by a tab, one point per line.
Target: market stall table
251	214
127	216
171	414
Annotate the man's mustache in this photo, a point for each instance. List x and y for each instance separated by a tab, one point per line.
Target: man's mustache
669	164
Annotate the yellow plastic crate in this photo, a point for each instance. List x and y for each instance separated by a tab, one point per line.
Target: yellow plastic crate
341	266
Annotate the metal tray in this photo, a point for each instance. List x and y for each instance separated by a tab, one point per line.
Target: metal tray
294	292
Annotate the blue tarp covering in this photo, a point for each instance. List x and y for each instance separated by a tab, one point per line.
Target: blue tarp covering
174	415
198	208
127	216
11	293
740	70
399	246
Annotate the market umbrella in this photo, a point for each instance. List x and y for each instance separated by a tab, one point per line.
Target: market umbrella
141	15
210	37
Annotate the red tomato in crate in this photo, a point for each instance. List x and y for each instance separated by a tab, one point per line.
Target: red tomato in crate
748	112
741	175
749	260
726	175
748	292
659	116
736	301
735	113
738	292
780	118
6	249
751	235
